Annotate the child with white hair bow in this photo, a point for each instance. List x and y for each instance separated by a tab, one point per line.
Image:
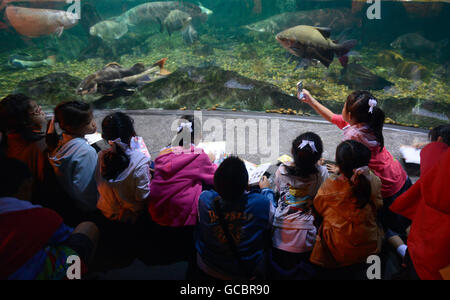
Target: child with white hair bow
123	172
362	120
294	232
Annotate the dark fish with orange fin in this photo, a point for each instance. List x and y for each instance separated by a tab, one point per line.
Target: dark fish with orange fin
36	22
114	77
314	43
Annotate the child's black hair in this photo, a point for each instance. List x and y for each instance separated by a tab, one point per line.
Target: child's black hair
231	179
351	155
358	105
305	159
13	174
114	163
114	126
442	131
15	116
73	115
118	125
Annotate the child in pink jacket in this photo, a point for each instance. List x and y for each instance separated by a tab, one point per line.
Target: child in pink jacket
178	181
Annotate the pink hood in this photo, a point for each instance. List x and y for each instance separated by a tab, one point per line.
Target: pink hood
177	185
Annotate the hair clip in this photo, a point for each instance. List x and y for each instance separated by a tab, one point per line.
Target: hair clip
310	143
372	104
117	143
360	171
185	125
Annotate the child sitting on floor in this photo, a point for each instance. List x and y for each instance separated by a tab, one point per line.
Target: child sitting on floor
347	205
294	232
34	241
22	122
180	173
123	174
74	161
233	223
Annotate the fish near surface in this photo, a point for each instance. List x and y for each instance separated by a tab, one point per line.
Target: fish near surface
151	12
109	30
314	43
356	76
4	3
335	19
36	22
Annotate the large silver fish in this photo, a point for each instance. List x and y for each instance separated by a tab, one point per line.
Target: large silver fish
156	12
109	30
36	22
314	43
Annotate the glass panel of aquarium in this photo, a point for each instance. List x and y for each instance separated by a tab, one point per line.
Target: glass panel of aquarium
244	55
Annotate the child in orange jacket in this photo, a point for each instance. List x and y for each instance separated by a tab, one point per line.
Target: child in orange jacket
347	205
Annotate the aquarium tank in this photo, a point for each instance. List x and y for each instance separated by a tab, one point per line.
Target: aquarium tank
237	55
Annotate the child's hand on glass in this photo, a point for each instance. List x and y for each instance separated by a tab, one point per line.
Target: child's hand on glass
264	183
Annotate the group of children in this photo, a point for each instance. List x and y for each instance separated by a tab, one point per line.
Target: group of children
312	225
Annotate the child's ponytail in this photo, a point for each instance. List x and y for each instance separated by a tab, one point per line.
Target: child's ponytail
361	186
353	158
376	124
115	161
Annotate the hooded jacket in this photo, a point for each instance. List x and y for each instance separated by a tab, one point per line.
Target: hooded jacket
124	198
74	163
177	185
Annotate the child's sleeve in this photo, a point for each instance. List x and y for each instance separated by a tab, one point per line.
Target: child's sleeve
338	120
83	177
270	195
207	170
319	200
142	180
